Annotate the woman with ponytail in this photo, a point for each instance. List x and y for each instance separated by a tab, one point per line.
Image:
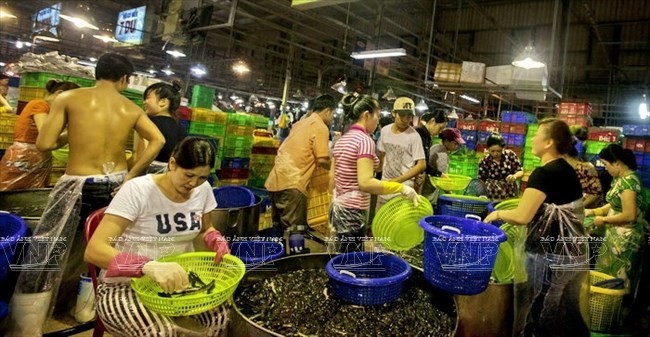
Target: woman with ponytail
622	217
23	166
161	102
354	161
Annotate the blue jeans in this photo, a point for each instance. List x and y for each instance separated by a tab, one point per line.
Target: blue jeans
550	300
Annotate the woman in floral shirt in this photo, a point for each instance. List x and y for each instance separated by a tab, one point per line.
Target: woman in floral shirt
500	170
622	216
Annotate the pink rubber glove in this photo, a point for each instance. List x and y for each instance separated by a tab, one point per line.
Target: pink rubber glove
217	243
126	265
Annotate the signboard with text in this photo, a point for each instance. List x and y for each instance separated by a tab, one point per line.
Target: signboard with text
130	26
47	19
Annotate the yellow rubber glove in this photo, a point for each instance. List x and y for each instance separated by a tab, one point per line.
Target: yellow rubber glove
391	187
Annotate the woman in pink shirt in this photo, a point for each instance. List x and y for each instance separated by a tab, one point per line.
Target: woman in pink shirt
354	160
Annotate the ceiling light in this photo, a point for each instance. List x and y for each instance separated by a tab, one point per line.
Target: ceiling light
298	94
527	60
168	71
240	67
2	64
151	70
470	98
340	86
106	38
389	95
80	17
453	114
45	35
271	105
421	106
369	54
198	70
643	109
253	99
93	59
5	14
175	53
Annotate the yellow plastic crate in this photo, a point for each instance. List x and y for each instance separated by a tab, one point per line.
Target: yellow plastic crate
27	94
605	304
319	199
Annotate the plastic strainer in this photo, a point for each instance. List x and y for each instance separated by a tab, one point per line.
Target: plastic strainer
504	266
396	224
452	182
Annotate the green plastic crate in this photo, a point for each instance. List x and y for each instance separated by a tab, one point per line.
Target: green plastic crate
83	82
236	152
594	146
207	129
238	141
240	119
38	79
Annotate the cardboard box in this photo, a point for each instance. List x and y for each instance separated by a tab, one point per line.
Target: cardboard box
472	72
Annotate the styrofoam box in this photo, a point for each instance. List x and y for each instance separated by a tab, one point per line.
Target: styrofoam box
472	72
536	78
499	75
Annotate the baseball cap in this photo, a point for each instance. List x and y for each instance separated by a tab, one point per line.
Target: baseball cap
404	106
452	134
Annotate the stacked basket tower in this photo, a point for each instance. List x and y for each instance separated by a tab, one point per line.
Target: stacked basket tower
637	139
467	164
597	139
265	148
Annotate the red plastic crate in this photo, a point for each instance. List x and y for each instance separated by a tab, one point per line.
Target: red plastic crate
480	148
575	108
515	128
184	113
517	150
233	174
470	125
490	126
264	150
603	135
637	144
577	120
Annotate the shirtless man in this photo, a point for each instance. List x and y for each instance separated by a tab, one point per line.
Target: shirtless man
98	122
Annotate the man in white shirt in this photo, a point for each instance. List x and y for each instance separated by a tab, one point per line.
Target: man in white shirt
400	148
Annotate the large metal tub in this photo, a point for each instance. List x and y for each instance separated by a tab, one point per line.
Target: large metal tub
242	326
29	204
240	221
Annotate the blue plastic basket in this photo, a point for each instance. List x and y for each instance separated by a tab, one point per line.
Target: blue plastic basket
459	254
256	252
461	205
233	196
12	229
378	277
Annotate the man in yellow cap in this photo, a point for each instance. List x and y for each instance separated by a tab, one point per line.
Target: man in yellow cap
400	148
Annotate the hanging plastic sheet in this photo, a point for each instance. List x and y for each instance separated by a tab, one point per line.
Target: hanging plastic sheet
552	274
23	166
350	224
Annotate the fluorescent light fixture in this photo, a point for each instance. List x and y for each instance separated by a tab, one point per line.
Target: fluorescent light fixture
2	64
198	70
142	73
470	98
5	14
45	35
643	109
370	54
87	63
168	71
421	106
175	53
106	38
80	21
527	60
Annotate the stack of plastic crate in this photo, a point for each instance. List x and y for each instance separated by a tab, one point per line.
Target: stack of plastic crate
265	148
575	113
485	129
529	160
637	139
513	129
210	124
260	122
184	117
202	97
468	130
318	201
597	139
7	122
235	162
466	165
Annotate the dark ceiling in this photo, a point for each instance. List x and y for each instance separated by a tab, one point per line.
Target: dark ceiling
596	50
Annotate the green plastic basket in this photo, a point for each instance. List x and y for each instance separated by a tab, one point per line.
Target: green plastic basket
453	182
227	276
396	224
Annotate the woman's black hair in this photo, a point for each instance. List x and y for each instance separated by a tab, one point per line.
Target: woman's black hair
193	152
354	105
496	139
112	67
573	151
169	91
614	152
53	86
559	132
438	116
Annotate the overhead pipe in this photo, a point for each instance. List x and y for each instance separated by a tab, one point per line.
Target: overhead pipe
565	48
431	32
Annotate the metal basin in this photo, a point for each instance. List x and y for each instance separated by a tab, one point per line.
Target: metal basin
240	221
29	204
241	325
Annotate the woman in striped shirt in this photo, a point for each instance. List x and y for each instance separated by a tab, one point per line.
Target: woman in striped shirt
354	161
